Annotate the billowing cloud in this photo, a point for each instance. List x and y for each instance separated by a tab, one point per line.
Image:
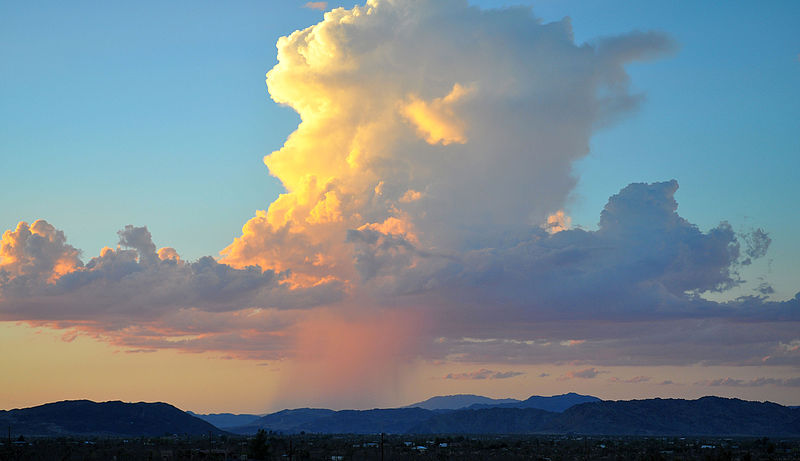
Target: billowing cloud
36	253
460	123
484	373
137	295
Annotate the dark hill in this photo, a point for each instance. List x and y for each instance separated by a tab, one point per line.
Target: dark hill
226	420
390	421
705	416
486	421
84	417
286	421
557	403
712	416
459	401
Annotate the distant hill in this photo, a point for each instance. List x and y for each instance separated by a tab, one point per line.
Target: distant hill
286	421
315	420
705	416
458	401
713	416
226	420
486	421
556	403
390	421
84	417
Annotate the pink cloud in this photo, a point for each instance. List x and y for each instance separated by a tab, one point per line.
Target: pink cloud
316	5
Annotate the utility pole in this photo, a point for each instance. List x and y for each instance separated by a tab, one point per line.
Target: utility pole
381	446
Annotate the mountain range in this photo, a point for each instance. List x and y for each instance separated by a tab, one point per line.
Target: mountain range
555	403
708	416
458	401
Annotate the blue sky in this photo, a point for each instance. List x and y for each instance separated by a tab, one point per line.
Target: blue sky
157	114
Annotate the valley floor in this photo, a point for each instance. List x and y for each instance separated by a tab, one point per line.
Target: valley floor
400	447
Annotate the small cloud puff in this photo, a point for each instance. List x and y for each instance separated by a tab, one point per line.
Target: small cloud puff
586	373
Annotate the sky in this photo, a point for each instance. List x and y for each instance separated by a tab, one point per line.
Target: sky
420	198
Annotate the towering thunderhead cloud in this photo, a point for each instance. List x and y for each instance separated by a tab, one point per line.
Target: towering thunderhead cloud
439	123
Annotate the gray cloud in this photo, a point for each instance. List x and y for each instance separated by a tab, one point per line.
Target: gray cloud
756	382
585	373
139	239
756	244
142	299
484	373
634	380
641	274
35	253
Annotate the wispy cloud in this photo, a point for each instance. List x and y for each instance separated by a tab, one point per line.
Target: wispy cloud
756	382
634	380
316	5
483	373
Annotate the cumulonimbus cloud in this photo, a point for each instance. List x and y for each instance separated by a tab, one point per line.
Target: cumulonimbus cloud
426	184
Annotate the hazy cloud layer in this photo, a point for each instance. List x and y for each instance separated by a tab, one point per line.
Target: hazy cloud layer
634	380
756	382
484	373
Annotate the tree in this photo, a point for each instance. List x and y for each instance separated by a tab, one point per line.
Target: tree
259	447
